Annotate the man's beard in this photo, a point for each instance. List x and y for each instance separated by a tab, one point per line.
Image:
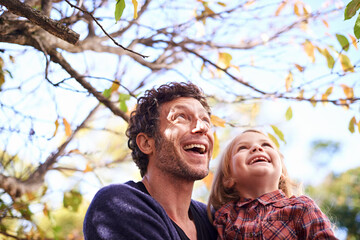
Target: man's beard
169	161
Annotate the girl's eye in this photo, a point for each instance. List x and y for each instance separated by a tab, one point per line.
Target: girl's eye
242	148
266	145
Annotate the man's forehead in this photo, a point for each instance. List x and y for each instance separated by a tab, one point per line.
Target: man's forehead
184	103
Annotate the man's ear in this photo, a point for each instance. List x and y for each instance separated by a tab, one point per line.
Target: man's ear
145	143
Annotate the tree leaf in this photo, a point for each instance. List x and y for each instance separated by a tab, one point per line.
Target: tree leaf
325	23
278	132
346	64
224	60
352	125
56	127
351	9
280	8
300	68
343	41
107	93
358	125
288	114
135	3
67	126
353	41
312	101
122	99
72	200
273	138
208	180
357	27
216	149
288	81
348	91
309	50
119	9
218	122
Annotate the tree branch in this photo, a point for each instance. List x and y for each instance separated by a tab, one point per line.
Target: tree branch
36	17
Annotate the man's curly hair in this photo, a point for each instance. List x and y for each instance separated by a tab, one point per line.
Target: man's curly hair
144	119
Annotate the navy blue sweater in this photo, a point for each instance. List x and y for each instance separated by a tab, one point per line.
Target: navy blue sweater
124	212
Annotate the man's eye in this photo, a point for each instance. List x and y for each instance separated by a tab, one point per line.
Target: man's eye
181	116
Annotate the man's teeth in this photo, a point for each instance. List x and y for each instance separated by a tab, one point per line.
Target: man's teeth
201	147
259	159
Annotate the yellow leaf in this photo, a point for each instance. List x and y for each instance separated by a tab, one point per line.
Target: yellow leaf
288	114
218	122
280	8
216	149
115	86
301	94
135	3
273	138
358	125
325	23
329	91
46	210
278	132
346	64
75	151
56	127
352	125
310	50
353	41
288	81
300	68
224	60
296	9
67	126
348	91
208	180
312	100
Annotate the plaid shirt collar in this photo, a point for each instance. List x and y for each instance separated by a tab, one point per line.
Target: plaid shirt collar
264	199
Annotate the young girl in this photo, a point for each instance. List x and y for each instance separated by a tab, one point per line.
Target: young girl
252	195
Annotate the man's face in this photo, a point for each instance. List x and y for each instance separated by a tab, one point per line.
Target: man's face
185	140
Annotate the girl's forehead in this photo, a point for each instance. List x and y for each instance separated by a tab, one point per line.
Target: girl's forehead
250	136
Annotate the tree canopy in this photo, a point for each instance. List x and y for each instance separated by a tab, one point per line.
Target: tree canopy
70	72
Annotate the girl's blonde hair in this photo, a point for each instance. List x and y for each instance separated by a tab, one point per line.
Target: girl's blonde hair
220	194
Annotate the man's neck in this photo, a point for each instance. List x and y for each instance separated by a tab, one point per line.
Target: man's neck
174	195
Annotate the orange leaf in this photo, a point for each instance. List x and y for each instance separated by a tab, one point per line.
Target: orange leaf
325	23
208	180
218	122
56	127
353	41
280	8
300	68
88	168
348	91
67	126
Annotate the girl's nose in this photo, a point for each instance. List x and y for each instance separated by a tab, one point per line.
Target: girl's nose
257	147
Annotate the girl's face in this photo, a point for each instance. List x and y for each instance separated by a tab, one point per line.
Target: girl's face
255	162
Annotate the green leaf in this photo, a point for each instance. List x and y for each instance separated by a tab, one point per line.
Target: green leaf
122	99
107	93
351	9
288	114
273	138
346	63
343	41
352	125
278	132
357	27
72	200
119	9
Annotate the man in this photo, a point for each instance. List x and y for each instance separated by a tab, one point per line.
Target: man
171	141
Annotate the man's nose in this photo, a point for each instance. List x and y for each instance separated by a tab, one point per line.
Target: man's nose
201	126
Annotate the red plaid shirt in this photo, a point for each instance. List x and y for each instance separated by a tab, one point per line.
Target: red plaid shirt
273	216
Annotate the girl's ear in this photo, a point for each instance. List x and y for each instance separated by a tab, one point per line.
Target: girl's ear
229	183
145	143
